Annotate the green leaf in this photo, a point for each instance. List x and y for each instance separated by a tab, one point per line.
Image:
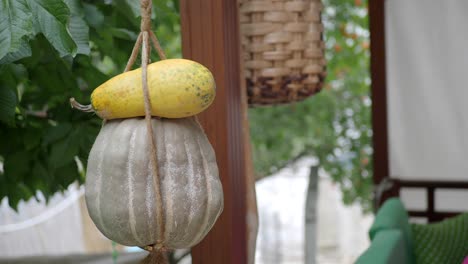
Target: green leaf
17	165
15	27
93	16
51	17
78	28
23	51
40	179
32	138
80	33
13	199
7	105
24	191
16	168
64	151
21	192
124	33
55	133
134	7
67	174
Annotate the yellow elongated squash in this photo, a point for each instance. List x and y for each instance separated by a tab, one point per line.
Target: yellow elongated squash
177	87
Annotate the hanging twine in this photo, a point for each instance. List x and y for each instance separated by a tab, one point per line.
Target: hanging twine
157	250
145	26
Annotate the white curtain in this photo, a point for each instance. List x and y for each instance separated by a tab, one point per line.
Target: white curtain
427	88
427	61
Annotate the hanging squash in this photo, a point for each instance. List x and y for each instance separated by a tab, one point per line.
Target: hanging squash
119	185
177	88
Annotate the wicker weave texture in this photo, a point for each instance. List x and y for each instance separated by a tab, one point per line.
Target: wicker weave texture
282	49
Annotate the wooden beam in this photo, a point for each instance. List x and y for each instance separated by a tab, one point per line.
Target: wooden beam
430	186
210	35
434	217
432	183
379	90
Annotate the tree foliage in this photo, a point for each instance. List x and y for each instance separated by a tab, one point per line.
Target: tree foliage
334	125
51	50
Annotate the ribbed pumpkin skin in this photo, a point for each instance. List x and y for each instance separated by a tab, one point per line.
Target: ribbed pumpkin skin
119	187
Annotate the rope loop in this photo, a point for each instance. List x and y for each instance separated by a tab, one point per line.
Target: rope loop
145	11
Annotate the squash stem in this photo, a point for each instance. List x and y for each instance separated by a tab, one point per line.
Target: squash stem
82	108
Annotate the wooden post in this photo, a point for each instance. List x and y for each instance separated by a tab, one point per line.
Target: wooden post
379	91
210	35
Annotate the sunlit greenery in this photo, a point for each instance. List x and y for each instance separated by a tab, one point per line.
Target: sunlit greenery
42	66
334	125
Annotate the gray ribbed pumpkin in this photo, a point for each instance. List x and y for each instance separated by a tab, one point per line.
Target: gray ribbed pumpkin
119	187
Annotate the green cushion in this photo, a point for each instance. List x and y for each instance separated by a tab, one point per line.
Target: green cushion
387	247
393	215
442	242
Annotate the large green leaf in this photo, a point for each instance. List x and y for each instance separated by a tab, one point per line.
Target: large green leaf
23	51
15	27
78	28
51	17
60	21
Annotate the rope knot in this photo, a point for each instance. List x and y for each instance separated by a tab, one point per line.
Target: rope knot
145	15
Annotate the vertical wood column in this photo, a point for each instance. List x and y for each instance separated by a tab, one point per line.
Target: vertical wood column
379	91
210	35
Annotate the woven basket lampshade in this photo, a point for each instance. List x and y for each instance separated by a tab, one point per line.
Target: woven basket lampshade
282	49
